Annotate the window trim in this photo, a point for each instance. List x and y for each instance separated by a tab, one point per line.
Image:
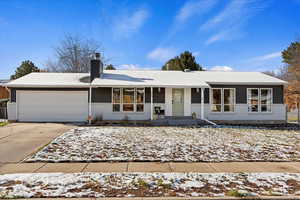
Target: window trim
234	100
212	101
112	100
134	92
222	100
259	100
134	101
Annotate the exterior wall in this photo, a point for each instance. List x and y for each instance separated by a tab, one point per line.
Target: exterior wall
104	110
196	95
241	107
101	106
241	113
104	95
241	92
101	95
168	100
12	111
187	102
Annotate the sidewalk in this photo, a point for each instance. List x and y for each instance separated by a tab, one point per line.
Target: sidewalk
179	198
234	167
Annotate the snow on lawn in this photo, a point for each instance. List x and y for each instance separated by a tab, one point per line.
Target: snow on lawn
171	144
148	184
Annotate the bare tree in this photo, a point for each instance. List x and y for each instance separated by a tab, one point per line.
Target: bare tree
73	54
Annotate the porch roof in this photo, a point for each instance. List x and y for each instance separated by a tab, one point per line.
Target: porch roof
149	79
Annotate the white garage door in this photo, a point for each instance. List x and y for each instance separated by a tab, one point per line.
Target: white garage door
52	106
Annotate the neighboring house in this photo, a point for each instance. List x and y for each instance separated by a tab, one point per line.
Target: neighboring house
4	97
4	93
141	95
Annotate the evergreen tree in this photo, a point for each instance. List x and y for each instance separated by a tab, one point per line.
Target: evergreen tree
185	61
110	67
26	67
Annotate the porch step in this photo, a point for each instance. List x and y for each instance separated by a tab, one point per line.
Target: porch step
179	122
182	122
179	117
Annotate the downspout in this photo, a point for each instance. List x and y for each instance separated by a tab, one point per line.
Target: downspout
202	103
90	104
202	109
151	103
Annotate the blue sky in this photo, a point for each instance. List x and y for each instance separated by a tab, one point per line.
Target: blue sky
243	35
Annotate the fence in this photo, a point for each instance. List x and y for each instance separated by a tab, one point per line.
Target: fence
3	113
294	116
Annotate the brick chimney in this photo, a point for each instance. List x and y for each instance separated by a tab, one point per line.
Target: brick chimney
96	67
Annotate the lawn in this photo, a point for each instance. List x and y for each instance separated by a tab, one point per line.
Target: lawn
171	144
148	185
3	124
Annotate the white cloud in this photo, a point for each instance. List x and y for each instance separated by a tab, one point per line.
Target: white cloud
221	68
132	67
216	37
126	25
228	23
128	67
162	54
196	53
267	56
194	7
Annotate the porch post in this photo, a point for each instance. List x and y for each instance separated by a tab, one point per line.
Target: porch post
202	103
151	103
90	105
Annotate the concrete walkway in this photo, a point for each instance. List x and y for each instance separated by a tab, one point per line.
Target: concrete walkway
181	198
235	167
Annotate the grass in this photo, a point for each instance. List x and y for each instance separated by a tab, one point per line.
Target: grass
3	124
235	193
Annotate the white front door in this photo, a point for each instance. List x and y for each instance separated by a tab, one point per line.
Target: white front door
178	102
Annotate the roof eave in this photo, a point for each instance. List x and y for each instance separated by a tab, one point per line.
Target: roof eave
248	83
45	86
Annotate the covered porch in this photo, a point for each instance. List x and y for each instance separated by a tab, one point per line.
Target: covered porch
178	103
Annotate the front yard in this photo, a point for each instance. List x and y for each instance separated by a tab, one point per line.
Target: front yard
171	144
148	185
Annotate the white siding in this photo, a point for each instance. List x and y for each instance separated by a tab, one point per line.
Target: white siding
52	106
241	113
11	111
187	102
168	101
104	110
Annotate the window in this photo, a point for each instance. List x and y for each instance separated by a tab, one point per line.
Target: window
216	100
259	100
223	100
253	100
116	100
128	99
229	99
140	96
265	99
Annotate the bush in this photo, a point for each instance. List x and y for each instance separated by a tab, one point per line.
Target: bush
97	119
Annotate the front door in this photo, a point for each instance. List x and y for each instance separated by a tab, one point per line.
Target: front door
178	102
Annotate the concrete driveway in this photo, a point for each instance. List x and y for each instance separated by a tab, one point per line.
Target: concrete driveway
18	140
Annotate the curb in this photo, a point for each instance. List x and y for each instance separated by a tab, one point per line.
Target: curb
177	198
